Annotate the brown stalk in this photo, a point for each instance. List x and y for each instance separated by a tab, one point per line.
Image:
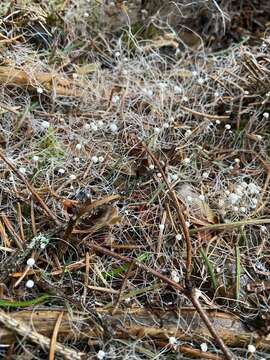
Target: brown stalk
124	283
31	189
54	336
207	116
179	214
189	350
17	239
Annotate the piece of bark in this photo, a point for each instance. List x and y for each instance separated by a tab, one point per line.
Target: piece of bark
10	76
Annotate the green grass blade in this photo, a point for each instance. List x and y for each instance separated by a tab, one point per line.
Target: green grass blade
210	269
237	272
25	303
124	267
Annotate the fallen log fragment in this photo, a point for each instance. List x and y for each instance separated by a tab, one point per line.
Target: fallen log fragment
184	324
10	76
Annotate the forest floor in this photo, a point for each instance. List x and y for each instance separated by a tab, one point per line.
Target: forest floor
134	188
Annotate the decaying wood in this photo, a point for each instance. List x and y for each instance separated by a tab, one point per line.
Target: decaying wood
10	76
23	329
184	324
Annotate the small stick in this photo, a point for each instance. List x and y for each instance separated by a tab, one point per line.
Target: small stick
86	276
20	221
160	237
31	189
180	217
54	336
8	224
230	225
124	283
207	116
4	236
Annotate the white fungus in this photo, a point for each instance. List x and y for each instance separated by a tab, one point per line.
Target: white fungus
174	177
35	158
45	124
100	123
72	177
186	160
177	89
185	98
115	99
204	347
94	159
29	284
188	133
147	92
251	349
253	188
161	227
39	90
266	115
22	170
78	146
178	237
205	175
227	126
200	81
172	340
151	166
101	355
113	127
93	126
233	198
30	262
61	171
175	276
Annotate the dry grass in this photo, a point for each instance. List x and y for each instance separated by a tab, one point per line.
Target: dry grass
204	116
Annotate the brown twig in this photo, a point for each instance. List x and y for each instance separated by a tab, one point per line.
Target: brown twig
54	336
130	268
179	214
189	350
31	189
17	239
207	116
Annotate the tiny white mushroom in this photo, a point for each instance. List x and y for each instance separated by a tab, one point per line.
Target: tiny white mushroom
30	262
29	284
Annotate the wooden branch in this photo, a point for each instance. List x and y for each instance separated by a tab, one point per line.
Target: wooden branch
184	324
23	329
